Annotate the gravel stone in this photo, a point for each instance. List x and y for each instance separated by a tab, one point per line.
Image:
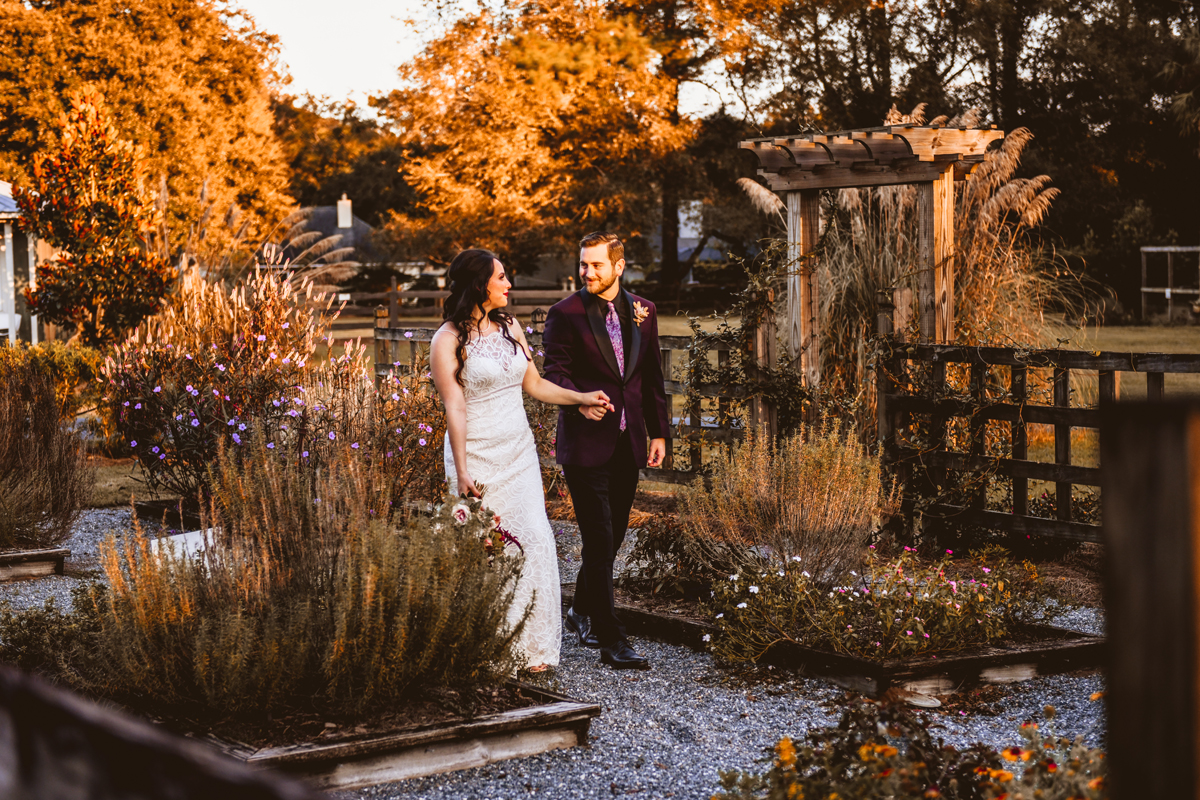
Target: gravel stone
91	528
665	732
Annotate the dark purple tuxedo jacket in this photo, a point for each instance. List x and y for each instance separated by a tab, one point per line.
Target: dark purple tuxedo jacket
579	356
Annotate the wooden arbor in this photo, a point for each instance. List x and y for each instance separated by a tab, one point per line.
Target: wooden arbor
931	157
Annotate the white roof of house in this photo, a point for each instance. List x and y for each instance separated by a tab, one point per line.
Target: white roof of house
8	206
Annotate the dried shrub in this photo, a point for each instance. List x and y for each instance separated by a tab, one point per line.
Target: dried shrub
815	496
877	752
305	593
670	560
73	369
44	476
897	608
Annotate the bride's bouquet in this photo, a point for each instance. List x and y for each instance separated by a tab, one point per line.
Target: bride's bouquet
479	522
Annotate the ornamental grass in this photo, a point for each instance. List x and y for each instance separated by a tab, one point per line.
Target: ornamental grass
44	476
816	496
309	594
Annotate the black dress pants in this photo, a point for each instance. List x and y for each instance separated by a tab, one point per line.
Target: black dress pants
603	497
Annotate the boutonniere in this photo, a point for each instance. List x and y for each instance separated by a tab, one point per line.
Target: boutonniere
640	312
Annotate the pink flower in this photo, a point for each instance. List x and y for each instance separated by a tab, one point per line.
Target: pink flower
909	633
985	569
459	513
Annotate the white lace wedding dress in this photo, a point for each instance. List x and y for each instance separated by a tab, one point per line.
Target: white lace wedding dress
501	456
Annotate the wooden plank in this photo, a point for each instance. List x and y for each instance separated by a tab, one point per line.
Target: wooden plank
1070	359
1144	317
1038	415
903	298
1108	383
1009	467
1155	387
1019	389
943	256
927	208
1151	491
1062	441
671	388
1022	526
803	302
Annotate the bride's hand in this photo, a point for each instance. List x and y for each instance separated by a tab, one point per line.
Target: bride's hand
596	399
466	486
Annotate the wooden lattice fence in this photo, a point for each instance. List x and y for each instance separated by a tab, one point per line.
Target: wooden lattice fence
918	405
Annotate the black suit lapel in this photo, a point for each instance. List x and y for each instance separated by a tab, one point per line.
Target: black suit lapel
635	346
595	318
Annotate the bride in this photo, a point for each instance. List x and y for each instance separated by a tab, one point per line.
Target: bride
481	362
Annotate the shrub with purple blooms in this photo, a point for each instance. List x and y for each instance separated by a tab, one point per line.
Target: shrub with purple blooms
220	366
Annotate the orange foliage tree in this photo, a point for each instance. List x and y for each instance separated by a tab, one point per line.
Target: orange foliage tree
87	201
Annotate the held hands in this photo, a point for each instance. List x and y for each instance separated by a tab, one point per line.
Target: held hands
595	405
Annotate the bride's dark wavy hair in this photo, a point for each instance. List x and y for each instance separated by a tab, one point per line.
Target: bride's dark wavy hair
469	274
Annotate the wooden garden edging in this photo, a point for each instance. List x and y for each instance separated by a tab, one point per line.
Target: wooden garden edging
558	722
32	563
1061	651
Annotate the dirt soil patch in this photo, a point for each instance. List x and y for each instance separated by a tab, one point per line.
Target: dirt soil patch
118	481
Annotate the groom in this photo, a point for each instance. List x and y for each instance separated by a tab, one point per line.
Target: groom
605	338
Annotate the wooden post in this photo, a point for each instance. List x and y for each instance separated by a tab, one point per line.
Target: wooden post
1019	388
902	299
31	250
1062	441
803	302
1155	387
935	248
1170	286
393	305
669	458
884	429
10	286
763	415
1143	286
1151	496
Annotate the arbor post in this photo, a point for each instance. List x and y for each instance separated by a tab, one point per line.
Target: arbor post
935	278
803	302
1151	495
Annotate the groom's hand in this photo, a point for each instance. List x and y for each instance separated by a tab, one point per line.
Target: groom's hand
594	413
658	451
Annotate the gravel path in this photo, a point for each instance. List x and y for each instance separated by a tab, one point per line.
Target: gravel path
92	528
666	732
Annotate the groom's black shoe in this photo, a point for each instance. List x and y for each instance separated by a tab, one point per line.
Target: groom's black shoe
582	626
621	655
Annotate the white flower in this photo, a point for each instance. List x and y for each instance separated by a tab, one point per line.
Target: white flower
805	574
855	574
721	616
741	605
753	590
460	512
796	559
733	577
708	637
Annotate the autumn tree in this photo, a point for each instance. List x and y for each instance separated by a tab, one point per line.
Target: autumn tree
188	81
533	128
86	200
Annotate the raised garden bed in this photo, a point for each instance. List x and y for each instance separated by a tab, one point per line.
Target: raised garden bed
552	722
32	563
1044	650
176	514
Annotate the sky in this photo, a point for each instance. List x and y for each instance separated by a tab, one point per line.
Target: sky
347	50
350	50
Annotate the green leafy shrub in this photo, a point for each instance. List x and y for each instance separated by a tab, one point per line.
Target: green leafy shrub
305	594
44	476
816	495
883	752
219	367
896	608
74	370
87	201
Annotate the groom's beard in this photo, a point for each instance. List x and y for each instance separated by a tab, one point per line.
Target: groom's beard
600	287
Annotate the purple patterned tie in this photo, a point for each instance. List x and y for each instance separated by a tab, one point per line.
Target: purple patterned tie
613	325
